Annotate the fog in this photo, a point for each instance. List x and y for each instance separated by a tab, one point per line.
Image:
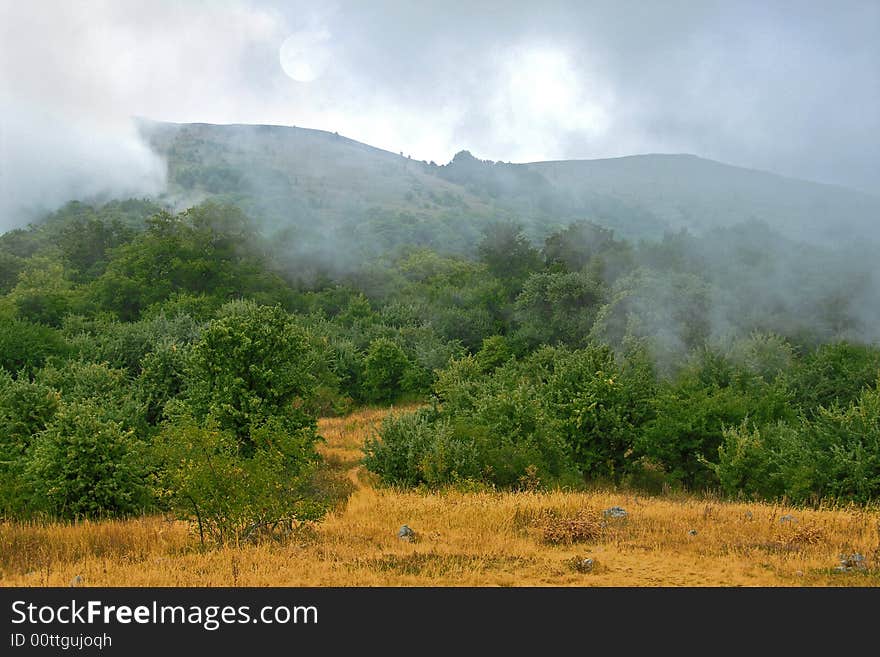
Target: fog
792	88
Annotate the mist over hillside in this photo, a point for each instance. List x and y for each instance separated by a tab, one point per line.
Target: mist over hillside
333	188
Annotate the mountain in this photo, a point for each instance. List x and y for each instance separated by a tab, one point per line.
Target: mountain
695	193
339	191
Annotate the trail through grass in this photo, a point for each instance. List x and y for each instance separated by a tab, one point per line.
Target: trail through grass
465	539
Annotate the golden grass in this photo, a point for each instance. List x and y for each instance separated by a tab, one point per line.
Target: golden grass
466	539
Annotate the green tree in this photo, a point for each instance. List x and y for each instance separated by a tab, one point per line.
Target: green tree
599	407
26	409
507	253
43	293
384	368
252	363
26	346
233	498
83	465
558	308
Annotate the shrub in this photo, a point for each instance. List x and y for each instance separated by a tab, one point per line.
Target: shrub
125	344
25	410
162	378
834	373
419	448
692	413
26	346
747	460
493	430
385	366
833	453
107	388
84	465
250	364
566	530
598	407
495	351
233	497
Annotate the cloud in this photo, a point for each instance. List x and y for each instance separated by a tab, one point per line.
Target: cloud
788	87
74	75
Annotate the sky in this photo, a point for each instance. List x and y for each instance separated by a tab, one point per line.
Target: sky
788	87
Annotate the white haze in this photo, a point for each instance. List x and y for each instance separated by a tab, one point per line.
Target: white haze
788	87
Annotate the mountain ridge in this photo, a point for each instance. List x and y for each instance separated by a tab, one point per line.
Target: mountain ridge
321	180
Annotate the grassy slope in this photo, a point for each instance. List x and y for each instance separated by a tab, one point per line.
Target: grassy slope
317	179
479	539
298	172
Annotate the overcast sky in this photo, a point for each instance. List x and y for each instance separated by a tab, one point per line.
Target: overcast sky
790	87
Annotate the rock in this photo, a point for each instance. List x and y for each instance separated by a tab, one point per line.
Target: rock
406	534
788	518
615	512
76	581
850	562
692	532
584	565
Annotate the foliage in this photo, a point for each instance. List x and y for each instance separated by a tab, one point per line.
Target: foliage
83	465
230	496
736	358
835	372
834	453
26	346
600	406
385	367
556	308
26	408
692	413
251	363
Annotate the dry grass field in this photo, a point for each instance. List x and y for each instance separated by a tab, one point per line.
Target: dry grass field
466	539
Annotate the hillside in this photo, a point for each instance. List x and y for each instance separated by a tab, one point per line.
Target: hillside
696	193
336	190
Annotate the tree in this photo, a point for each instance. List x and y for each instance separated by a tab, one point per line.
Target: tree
600	406
84	465
384	368
558	307
26	346
507	252
252	363
26	409
43	294
574	246
233	498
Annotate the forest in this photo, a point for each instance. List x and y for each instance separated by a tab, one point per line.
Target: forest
153	360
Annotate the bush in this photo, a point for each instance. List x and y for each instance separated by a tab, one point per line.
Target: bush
834	453
834	373
837	454
415	448
26	409
125	344
84	465
493	429
495	351
385	366
26	346
747	460
162	378
250	364
598	407
692	413
109	389
232	497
